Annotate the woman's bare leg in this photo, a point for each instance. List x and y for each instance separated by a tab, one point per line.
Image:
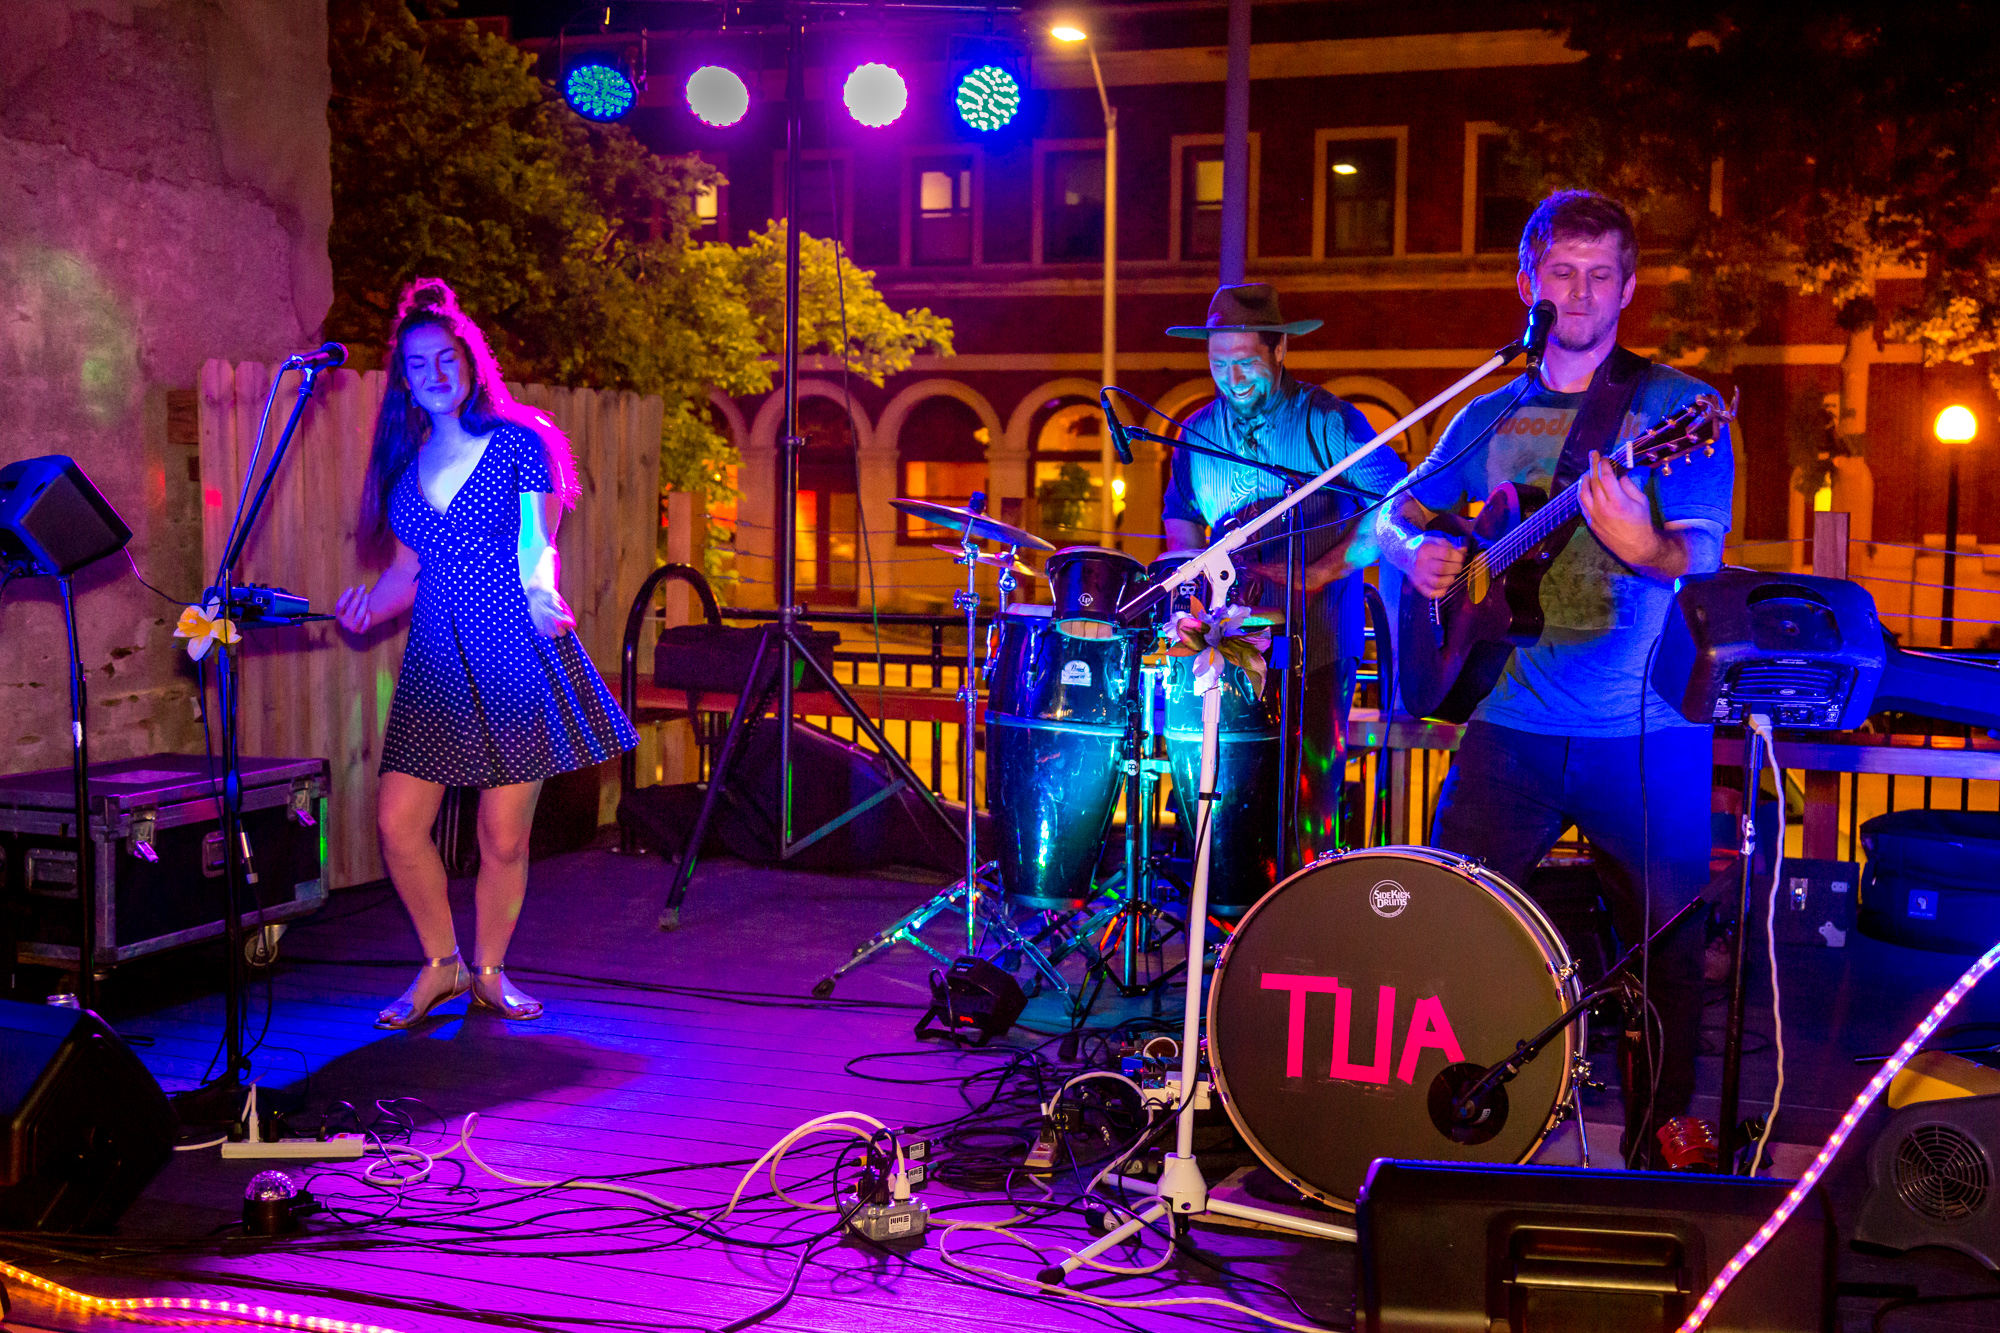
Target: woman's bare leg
506	814
405	809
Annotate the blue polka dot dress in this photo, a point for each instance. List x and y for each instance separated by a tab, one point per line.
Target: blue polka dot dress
484	698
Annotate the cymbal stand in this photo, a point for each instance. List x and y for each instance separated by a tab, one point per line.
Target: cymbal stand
979	893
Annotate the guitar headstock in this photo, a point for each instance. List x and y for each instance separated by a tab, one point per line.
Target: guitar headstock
1695	428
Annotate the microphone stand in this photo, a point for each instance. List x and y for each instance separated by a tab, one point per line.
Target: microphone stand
222	1099
1181	1191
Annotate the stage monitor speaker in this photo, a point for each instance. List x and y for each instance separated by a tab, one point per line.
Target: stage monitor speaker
1934	1179
1470	1247
52	520
83	1126
1806	651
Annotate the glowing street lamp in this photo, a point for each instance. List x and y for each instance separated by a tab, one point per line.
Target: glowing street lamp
1955	425
1064	32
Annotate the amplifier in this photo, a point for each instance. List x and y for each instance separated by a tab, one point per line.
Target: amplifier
1807	652
159	862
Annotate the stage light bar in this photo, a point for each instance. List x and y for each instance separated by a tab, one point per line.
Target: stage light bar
988	98
717	96
875	95
598	90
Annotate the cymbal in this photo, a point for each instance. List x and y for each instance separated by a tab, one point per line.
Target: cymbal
998	559
980	527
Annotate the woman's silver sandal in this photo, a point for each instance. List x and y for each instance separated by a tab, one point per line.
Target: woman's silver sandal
513	1003
406	1013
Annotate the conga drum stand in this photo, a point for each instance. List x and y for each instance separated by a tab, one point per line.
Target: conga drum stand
978	894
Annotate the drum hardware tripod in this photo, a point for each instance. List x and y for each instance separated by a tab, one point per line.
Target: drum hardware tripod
1181	1192
1141	925
979	891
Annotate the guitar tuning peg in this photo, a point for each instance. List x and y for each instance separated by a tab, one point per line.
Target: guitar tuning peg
1708	452
1666	469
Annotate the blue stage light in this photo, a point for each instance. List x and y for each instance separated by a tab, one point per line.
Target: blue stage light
875	95
717	96
987	98
598	90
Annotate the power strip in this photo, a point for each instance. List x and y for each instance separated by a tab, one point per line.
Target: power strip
339	1148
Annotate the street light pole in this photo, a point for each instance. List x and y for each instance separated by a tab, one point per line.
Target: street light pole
1955	427
1106	514
1067	32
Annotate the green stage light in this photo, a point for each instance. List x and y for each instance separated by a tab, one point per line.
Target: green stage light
598	90
987	98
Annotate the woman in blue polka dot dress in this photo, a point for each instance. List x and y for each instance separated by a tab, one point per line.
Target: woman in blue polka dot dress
467	487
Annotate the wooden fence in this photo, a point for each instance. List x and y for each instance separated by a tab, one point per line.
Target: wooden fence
315	690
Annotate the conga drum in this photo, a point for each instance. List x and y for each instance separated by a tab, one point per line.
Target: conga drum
1243	861
1055	734
1088	584
1347	991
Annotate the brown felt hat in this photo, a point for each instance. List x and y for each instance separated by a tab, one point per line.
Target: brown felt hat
1250	307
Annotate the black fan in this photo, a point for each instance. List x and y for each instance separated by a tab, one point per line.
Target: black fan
1941	1173
1930	1180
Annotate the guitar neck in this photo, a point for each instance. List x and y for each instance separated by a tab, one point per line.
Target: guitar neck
1538	526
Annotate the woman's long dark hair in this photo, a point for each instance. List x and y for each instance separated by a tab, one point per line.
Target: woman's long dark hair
402	426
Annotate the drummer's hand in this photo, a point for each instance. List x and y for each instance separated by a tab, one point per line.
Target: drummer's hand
1435	563
551	614
352	612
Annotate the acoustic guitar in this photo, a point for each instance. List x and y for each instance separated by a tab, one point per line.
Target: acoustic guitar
1452	649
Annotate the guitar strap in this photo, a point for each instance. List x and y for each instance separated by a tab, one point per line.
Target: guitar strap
1600	417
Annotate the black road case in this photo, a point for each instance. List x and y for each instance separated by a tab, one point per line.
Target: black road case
158	864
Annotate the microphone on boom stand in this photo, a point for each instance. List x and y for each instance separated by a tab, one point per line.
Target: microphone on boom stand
328	357
1121	437
1541	322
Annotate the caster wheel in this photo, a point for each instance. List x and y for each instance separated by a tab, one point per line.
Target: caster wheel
260	948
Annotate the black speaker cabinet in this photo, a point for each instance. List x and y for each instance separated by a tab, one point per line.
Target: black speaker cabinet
52	520
83	1125
1805	651
1934	1179
1488	1249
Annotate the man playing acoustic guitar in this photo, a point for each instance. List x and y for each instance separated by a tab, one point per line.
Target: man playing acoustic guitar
1572	734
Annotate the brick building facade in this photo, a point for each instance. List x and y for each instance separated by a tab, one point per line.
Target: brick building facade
1381	202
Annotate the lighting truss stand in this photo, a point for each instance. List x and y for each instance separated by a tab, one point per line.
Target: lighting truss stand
978	892
779	643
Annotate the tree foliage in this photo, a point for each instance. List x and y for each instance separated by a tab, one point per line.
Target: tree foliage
1856	137
569	242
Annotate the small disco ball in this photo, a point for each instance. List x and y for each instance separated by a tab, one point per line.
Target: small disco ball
988	98
599	92
269	1204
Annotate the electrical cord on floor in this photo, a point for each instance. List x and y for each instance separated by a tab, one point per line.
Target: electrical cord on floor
1762	726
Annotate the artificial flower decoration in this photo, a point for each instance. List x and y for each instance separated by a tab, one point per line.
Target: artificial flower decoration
1236	635
203	627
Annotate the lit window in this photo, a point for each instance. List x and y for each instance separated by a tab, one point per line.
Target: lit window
707	203
1361	197
1201	202
941	232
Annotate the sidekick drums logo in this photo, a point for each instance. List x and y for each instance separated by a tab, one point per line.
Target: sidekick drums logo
1388	898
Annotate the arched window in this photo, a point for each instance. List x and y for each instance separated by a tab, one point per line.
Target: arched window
825	524
941	455
1068	474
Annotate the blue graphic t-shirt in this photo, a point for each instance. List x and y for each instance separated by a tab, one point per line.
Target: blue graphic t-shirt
1584	676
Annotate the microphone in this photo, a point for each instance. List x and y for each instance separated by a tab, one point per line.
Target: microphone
1541	321
1121	438
327	357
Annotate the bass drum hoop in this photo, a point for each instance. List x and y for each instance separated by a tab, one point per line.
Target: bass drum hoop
1524	909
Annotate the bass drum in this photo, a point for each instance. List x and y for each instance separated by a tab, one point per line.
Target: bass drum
1346	989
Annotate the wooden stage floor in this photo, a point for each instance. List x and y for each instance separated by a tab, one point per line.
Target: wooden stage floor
662	1052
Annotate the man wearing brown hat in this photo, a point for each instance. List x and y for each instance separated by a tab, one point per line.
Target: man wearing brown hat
1260	412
